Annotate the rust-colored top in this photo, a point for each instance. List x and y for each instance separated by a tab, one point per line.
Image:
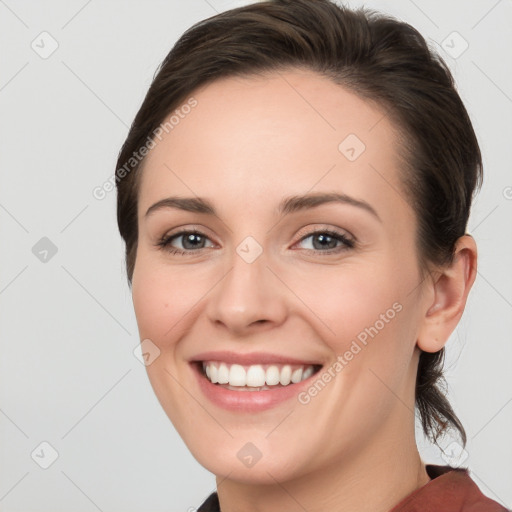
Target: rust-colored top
450	490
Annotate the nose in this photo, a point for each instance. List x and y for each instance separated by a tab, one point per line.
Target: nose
248	298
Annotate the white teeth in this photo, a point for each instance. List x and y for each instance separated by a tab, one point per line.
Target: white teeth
223	374
247	388
237	375
286	375
272	376
307	373
296	375
213	373
255	376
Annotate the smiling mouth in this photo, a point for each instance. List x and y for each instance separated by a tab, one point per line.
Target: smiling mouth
256	377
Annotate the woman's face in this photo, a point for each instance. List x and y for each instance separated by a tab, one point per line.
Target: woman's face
272	285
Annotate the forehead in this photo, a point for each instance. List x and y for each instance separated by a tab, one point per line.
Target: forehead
282	133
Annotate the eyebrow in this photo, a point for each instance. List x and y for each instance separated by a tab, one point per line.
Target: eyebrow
286	206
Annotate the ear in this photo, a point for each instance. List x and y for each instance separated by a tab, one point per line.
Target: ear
447	296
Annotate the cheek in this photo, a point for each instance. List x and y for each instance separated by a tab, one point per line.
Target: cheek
350	299
166	298
366	317
161	300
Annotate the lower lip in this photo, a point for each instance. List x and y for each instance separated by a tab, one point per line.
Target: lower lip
248	401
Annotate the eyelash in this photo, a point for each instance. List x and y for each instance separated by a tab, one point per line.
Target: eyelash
164	242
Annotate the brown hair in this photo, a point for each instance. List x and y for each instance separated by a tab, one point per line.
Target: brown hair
375	56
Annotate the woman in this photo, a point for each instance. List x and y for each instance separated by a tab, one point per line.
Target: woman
293	195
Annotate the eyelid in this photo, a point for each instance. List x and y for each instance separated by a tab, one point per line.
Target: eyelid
165	240
321	228
184	229
347	242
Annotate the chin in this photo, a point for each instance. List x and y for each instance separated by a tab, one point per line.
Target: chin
261	462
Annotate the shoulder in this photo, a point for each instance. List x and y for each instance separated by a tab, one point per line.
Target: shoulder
450	490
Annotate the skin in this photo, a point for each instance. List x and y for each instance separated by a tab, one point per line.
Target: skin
249	143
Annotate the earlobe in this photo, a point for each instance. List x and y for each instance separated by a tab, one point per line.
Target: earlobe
449	295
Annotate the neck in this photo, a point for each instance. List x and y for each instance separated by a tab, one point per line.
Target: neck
375	478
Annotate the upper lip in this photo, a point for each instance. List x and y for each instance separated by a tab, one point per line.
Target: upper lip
249	358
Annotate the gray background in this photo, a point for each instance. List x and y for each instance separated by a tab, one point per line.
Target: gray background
69	374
